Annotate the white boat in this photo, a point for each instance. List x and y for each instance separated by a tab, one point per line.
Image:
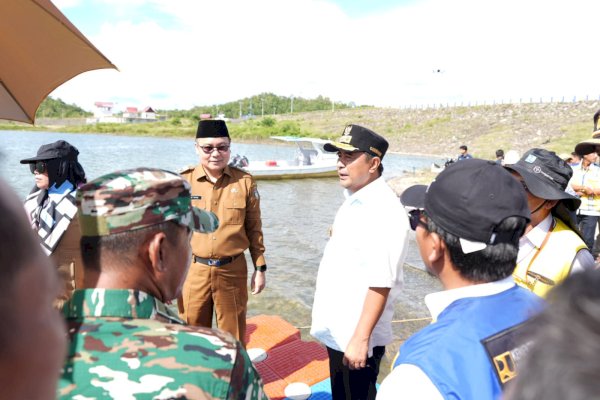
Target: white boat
309	161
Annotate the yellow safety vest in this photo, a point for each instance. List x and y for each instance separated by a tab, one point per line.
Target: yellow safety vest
552	262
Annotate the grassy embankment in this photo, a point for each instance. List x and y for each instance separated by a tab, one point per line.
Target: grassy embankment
439	132
556	126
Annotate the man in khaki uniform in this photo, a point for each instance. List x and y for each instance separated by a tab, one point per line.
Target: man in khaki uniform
218	276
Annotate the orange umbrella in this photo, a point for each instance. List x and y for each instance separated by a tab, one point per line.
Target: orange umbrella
40	49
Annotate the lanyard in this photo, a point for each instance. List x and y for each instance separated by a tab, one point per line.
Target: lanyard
537	276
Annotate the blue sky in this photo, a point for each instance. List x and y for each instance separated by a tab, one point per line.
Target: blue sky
181	53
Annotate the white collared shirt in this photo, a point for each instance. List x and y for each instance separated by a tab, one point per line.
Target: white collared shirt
367	248
535	238
408	381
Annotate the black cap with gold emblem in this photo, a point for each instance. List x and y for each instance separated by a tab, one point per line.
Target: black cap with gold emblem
358	138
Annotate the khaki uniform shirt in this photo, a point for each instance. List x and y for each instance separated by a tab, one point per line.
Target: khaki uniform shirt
67	258
235	200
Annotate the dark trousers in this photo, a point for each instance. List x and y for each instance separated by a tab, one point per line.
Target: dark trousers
354	384
587	227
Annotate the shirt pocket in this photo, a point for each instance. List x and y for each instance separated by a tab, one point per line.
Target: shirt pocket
235	211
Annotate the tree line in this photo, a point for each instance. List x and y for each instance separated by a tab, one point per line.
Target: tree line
260	105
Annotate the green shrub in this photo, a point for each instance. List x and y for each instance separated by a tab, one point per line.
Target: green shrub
268	122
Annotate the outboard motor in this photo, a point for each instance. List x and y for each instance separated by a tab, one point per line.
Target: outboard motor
239	161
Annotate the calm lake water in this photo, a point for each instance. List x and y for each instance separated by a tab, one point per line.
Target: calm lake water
296	213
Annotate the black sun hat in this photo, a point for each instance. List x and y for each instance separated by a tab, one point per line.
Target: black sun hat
589	146
546	176
470	199
59	149
359	138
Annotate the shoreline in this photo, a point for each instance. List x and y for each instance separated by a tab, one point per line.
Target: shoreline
53	129
427	131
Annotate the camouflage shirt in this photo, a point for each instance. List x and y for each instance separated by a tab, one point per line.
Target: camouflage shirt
125	344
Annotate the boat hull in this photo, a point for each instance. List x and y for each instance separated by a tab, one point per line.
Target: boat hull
274	173
310	161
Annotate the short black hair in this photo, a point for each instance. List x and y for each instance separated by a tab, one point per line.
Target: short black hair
463	147
499	153
123	244
380	168
491	264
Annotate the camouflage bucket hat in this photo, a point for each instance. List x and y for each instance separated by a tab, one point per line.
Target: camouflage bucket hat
136	198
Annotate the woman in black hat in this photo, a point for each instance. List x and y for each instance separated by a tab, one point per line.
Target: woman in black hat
51	205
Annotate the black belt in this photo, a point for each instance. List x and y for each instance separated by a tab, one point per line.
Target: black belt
214	262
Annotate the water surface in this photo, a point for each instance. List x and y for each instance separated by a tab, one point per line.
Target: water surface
296	214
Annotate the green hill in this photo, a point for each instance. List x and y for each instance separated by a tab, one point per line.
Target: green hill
435	131
260	105
56	108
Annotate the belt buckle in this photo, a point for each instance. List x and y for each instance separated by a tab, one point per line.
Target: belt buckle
213	263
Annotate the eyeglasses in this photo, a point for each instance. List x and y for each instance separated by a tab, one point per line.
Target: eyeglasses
39	166
208	149
414	218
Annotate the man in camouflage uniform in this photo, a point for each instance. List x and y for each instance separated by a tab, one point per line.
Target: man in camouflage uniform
125	342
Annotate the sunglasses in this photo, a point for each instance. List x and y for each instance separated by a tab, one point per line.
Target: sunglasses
39	166
208	149
414	218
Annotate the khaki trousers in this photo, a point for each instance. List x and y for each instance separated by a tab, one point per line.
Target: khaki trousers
219	290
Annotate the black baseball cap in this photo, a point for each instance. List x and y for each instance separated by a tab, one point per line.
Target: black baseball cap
59	149
470	199
359	138
212	128
546	176
588	146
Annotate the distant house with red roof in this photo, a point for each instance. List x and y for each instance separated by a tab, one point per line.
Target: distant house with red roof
148	113
103	109
105	112
130	112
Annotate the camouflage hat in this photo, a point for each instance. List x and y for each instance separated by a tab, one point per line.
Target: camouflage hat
136	198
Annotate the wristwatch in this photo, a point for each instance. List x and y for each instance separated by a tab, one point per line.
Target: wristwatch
261	268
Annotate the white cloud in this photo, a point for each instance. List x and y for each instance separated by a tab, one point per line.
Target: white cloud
206	52
64	4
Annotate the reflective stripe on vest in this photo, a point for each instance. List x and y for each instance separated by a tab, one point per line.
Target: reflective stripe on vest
553	263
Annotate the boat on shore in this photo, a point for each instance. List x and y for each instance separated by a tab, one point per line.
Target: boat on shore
439	168
309	161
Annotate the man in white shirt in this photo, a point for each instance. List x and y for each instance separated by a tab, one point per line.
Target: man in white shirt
552	247
360	273
468	223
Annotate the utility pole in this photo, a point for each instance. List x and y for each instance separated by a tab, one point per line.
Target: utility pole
292	104
262	107
240	110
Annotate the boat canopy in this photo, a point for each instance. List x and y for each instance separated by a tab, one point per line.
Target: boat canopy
300	139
